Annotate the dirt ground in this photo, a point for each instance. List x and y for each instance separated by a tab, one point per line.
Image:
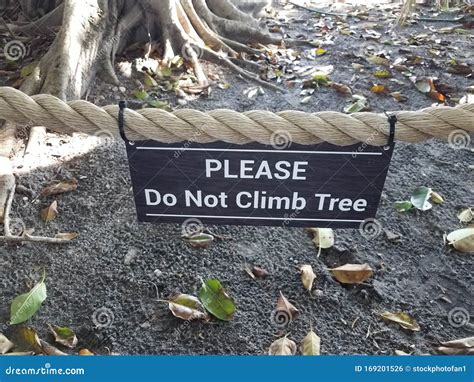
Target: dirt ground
105	285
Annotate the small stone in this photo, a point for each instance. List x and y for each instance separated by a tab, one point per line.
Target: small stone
318	293
130	256
145	325
182	102
115	89
157	272
123	89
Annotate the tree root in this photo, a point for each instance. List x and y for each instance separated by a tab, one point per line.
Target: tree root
8	237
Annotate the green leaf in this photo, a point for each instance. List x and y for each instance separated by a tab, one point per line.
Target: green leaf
24	306
216	301
403	206
140	94
27	70
321	77
158	104
149	81
64	336
420	198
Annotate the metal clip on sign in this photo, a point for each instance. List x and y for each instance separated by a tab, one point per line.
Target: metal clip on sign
121	123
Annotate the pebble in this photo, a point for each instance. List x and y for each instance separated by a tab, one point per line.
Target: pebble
123	89
182	102
157	272
115	89
130	256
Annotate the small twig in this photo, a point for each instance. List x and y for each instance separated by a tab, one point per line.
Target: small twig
320	11
8	237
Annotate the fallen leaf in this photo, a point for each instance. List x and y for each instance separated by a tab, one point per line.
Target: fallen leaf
200	240
377	60
5	344
436	198
465	215
64	336
423	86
187	307
382	73
61	187
403	206
307	276
321	77
216	301
462	239
400	352
49	349
420	198
283	305
463	69
462	346
50	213
27	340
360	103
24	306
311	344
403	319
352	273
378	89
85	352
282	346
323	238
149	80
140	94
28	69
66	235
320	52
340	88
399	97
259	272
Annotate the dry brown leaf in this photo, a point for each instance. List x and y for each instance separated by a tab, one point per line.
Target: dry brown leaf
340	88
379	89
403	319
283	305
66	235
462	343
50	213
61	187
352	273
259	272
187	307
282	346
465	215
85	352
401	352
307	276
5	344
311	344
49	349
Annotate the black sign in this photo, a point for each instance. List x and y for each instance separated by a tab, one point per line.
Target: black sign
219	183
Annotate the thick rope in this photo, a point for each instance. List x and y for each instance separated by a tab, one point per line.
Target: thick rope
231	126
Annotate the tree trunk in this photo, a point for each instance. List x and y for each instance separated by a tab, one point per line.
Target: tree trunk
94	32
